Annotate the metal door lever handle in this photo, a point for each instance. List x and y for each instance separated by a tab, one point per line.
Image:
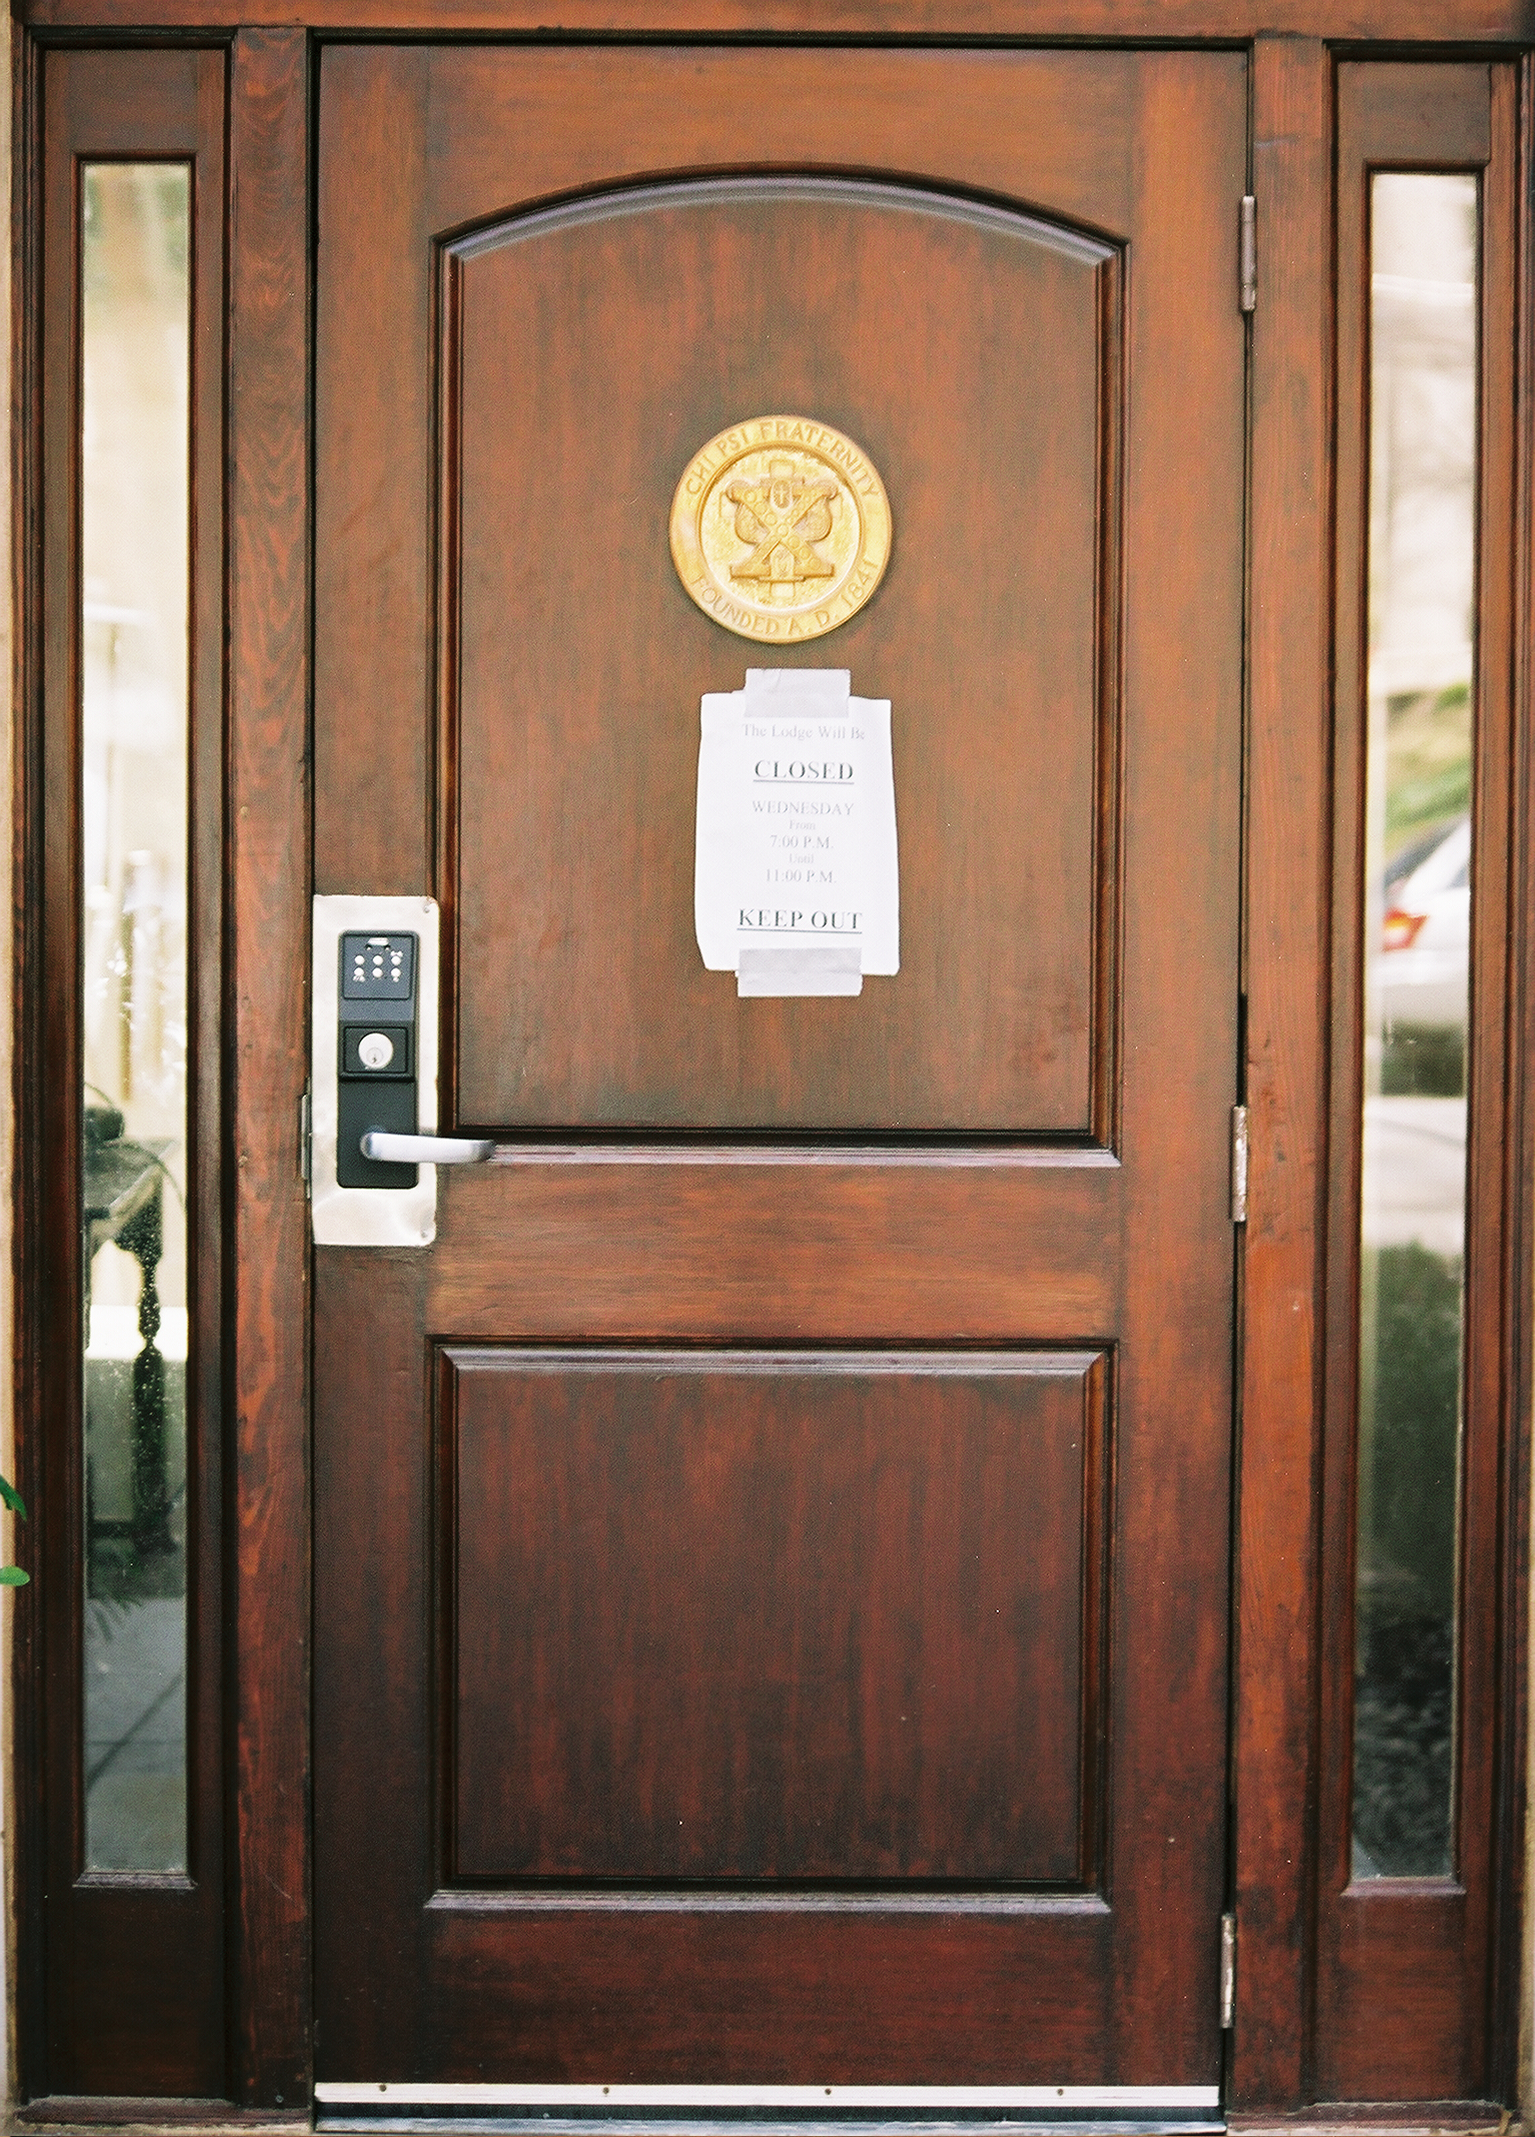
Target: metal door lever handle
424	1149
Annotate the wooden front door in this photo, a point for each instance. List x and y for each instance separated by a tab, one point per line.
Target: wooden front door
772	1548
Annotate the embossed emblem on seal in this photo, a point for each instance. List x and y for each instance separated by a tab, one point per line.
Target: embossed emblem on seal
780	528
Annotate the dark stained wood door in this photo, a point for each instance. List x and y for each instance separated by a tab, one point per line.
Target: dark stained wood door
772	1549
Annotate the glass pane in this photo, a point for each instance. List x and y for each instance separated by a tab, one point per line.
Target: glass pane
135	515
1422	550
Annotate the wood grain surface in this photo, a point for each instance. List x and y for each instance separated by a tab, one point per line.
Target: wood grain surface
1289	716
467	1529
1027	21
865	1652
1404	1966
572	748
850	1225
269	900
129	1971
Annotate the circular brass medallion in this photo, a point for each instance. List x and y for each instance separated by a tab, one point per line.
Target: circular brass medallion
780	528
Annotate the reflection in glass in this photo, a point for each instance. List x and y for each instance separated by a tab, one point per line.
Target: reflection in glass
135	514
1422	549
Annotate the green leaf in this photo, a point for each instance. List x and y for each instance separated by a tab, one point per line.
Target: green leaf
12	1498
1438	794
13	1577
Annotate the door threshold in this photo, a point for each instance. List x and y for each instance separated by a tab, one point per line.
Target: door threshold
771	2110
621	2125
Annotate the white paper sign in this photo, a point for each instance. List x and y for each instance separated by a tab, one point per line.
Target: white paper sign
796	887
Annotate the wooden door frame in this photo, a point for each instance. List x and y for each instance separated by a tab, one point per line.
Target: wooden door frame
264	1004
272	49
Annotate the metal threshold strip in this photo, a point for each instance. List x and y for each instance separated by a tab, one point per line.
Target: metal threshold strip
772	2110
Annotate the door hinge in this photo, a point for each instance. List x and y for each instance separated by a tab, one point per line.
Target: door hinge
1247	254
303	1138
1239	1164
1228	1971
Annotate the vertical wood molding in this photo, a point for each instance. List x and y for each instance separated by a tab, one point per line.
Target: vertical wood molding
26	1655
14	1543
1287	958
1506	503
268	895
1517	1927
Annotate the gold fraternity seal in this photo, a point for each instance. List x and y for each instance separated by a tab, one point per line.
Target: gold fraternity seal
780	528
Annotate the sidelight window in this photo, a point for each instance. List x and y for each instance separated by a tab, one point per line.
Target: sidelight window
1419	873
135	356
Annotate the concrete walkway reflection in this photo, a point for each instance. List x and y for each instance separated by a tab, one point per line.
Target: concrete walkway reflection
1415	1173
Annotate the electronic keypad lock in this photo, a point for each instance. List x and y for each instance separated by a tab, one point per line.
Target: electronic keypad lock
376	1054
379	1142
374	1072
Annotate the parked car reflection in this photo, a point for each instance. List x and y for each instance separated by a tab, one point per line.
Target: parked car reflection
1426	934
